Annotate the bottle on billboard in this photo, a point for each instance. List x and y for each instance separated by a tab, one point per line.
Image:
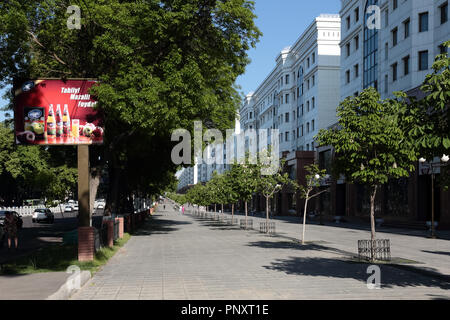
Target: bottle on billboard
76	129
59	123
66	122
51	122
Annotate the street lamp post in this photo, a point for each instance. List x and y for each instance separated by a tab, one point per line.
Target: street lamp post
445	160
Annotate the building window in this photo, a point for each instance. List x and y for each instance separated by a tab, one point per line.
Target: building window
287	116
357	14
307	106
287	79
302	131
423	60
313	80
347	76
394	33
287	136
444	12
386	18
394	4
312	125
406	25
355	94
307	63
443	49
356	68
307	127
250	115
356	43
423	22
370	62
308	84
347	49
406	65
394	72
286	98
313	58
297	132
313	102
386	83
348	22
303	109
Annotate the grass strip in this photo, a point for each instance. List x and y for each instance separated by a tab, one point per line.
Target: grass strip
57	258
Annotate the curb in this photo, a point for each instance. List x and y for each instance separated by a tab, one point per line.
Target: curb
67	290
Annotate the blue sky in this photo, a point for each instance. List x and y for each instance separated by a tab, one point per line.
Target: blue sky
281	22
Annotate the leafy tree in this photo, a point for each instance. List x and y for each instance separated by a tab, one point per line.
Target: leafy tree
430	115
161	65
370	144
231	189
244	177
21	169
269	184
61	183
220	189
312	182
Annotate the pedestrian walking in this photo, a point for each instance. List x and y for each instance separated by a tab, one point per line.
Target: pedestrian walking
164	207
182	209
11	229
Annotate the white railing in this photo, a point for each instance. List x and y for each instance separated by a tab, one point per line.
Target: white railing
27	210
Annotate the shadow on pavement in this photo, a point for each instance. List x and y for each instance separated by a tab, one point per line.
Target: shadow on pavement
438	252
159	226
333	268
295	245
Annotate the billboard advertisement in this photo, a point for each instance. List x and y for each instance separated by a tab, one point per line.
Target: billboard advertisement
57	112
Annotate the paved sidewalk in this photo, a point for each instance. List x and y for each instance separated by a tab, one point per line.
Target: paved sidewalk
36	286
179	256
432	255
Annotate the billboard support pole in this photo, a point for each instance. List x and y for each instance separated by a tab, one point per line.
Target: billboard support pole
86	235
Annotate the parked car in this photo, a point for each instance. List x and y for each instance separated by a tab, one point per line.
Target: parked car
43	215
75	207
68	208
2	237
18	219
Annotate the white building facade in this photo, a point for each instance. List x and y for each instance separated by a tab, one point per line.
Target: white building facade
299	96
216	157
398	53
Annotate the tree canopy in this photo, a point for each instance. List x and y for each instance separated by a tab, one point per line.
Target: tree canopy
161	64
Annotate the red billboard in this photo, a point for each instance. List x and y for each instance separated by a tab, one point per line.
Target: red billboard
57	112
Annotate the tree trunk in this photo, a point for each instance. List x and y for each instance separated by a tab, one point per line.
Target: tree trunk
267	214
222	208
372	219
94	183
215	211
246	214
232	213
304	218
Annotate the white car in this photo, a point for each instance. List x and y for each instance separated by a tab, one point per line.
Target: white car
43	214
101	205
75	207
68	208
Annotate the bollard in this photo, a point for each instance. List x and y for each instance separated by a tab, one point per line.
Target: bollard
86	242
110	233
121	225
